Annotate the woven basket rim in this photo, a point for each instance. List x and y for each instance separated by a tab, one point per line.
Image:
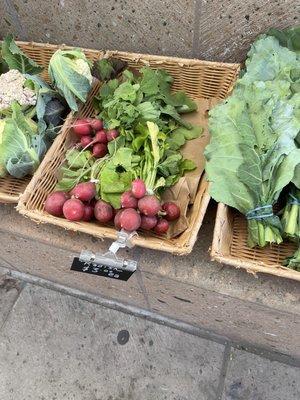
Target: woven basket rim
109	52
251	266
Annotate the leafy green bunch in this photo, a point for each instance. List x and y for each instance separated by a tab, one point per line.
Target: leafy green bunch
146	96
291	225
32	112
151	157
253	151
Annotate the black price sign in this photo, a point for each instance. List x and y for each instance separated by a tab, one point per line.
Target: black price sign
101	270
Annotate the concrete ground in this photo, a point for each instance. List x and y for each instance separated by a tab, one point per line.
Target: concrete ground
180	328
56	346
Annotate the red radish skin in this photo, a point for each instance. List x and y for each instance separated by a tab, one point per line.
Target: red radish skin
130	219
103	211
84	191
88	213
161	227
73	210
96	124
55	202
128	200
149	205
100	137
148	223
99	150
82	127
138	188
112	134
172	211
117	219
86	141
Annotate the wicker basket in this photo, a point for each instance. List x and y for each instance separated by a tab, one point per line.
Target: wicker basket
10	187
230	247
199	79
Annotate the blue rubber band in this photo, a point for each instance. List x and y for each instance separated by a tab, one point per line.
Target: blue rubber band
293	200
260	212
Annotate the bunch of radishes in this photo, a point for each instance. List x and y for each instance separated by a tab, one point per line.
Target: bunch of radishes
93	136
138	210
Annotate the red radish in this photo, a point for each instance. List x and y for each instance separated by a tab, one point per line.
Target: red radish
100	137
117	219
138	188
73	210
172	211
103	211
88	213
96	124
130	219
148	223
86	140
162	226
82	127
54	203
112	134
84	191
128	200
99	150
149	205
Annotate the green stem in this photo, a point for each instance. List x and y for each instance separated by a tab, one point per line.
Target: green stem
290	227
261	234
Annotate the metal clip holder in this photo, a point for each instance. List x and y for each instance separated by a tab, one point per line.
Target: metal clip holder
108	264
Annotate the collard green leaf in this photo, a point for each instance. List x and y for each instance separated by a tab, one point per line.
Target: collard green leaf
252	155
289	37
296	177
16	59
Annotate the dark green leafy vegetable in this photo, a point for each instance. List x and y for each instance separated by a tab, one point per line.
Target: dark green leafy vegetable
151	132
253	154
16	59
289	38
105	69
291	225
55	111
142	98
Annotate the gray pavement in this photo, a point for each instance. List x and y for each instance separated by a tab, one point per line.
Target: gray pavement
56	346
206	297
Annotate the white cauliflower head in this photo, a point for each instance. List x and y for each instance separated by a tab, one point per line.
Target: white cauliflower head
83	68
12	89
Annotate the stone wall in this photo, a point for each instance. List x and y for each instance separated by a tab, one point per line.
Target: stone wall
207	29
